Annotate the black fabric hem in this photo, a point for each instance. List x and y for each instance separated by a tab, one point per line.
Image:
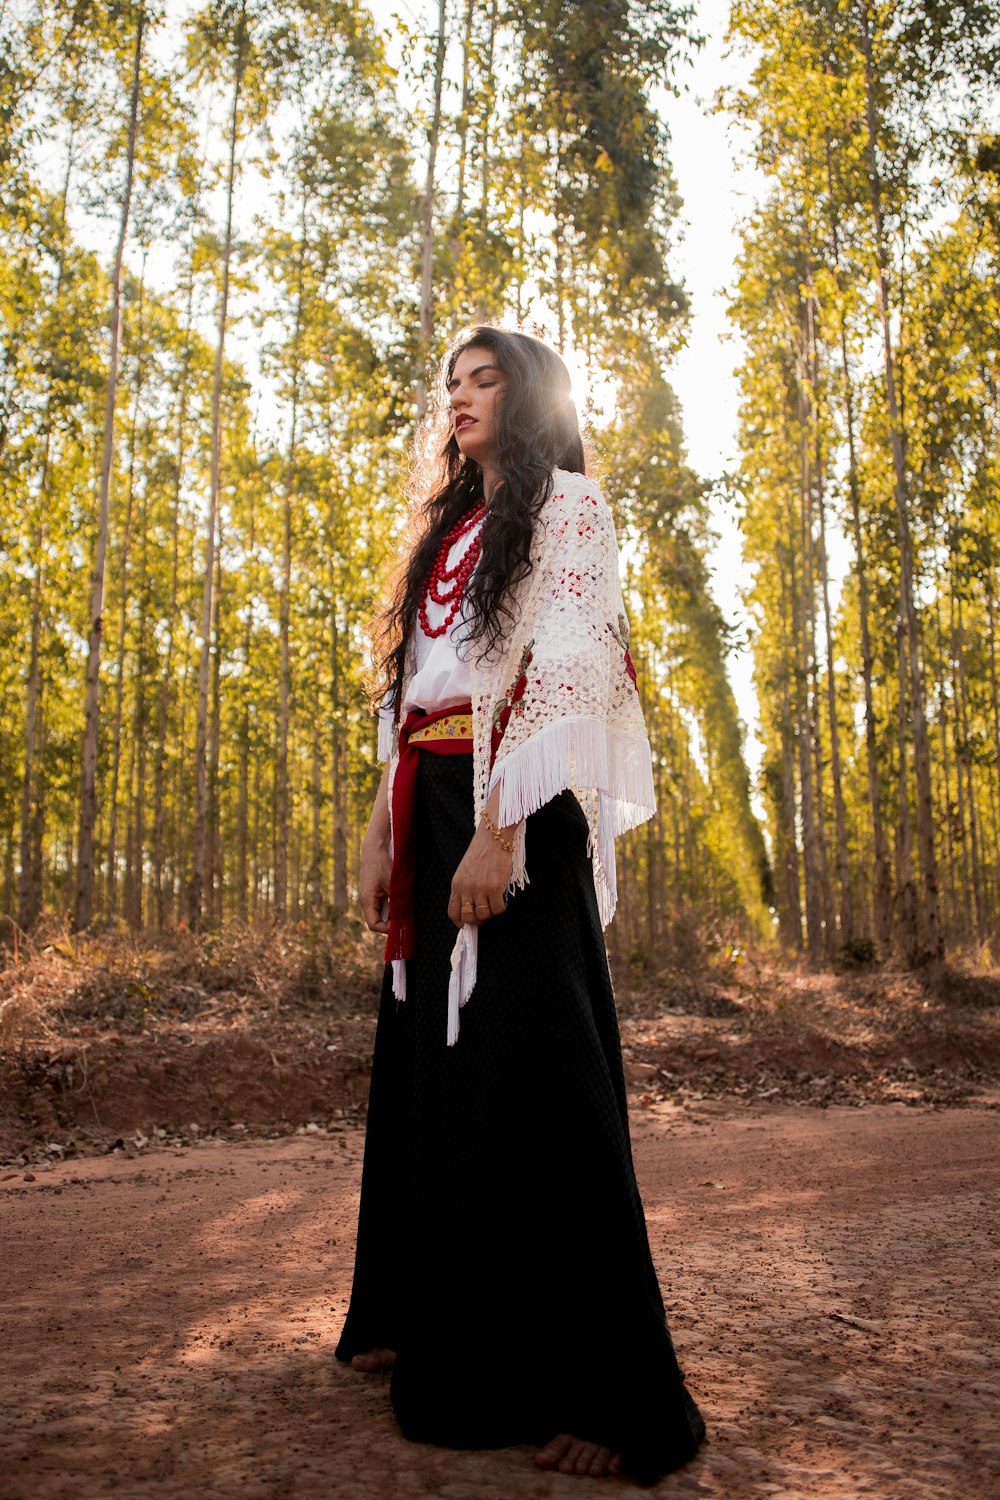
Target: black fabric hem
499	1202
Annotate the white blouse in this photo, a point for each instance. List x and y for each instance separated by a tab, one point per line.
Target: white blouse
441	678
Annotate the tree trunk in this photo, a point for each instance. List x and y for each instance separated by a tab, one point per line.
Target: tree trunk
281	766
338	758
166	679
965	762
180	841
7	839
944	658
931	942
882	881
127	888
255	840
136	839
991	617
427	233
38	817
243	831
813	701
32	823
457	239
214	893
965	883
907	916
29	877
882	887
845	906
790	891
801	609
522	207
243	812
273	829
116	738
489	99
116	733
485	165
84	899
284	612
557	244
201	868
463	119
338	727
653	824
315	883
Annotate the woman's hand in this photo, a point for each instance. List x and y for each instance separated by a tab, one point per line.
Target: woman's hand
373	883
478	885
376	862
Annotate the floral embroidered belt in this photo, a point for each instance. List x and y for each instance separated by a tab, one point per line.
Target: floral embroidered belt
451	726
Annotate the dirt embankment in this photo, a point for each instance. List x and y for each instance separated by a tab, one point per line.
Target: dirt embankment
121	1043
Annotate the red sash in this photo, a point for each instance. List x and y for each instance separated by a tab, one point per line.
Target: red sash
401	941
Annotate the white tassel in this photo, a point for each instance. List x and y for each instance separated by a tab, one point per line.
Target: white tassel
577	753
399	978
604	859
518	874
463	976
581	754
385	728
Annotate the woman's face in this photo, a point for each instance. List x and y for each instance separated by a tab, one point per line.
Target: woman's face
476	389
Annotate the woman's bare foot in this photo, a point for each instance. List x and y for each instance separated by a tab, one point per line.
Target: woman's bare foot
374	1360
571	1455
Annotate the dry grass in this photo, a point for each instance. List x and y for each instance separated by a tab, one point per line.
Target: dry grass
271	1028
55	982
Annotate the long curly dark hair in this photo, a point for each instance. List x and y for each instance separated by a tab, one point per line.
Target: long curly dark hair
536	431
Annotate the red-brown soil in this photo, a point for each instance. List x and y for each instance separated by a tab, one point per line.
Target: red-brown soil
180	1139
831	1278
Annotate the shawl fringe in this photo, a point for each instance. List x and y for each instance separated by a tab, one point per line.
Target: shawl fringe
580	754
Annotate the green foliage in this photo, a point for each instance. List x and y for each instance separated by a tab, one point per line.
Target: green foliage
555	203
877	232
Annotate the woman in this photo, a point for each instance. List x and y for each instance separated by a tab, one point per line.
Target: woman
503	1270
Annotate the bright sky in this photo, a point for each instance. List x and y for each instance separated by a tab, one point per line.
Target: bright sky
718	188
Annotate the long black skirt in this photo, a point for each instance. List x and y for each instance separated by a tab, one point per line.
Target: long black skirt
502	1247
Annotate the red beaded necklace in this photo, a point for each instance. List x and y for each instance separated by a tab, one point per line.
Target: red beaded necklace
447	585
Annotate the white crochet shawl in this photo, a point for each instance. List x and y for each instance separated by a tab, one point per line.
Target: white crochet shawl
578	723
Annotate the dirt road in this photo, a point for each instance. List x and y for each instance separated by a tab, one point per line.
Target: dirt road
832	1278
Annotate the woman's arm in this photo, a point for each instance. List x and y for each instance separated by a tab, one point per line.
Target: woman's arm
481	879
376	862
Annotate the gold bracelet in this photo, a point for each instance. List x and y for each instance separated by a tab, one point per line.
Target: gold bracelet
507	844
